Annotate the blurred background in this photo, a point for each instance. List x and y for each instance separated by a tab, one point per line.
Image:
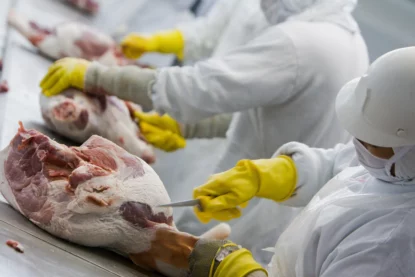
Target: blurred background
386	24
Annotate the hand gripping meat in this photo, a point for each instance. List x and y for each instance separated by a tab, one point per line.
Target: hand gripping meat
96	195
70	39
78	116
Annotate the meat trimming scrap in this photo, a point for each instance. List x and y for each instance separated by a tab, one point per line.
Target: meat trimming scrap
15	245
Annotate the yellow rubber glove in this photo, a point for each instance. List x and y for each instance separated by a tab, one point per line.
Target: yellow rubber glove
169	42
63	74
225	192
161	131
240	263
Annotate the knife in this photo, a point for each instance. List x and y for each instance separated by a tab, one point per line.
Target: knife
188	203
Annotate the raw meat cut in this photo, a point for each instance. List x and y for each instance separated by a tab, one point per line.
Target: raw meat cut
96	195
70	39
73	192
15	245
4	86
78	116
90	6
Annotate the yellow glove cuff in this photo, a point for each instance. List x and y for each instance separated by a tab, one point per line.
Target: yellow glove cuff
79	78
277	178
169	42
162	138
240	263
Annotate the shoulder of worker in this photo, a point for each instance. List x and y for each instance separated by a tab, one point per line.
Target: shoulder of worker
315	167
370	242
300	151
326	47
316	36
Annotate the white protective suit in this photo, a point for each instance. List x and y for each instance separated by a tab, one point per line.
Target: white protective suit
281	85
288	73
355	225
229	24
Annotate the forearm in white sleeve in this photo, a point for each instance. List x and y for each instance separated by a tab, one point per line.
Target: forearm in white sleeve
203	34
315	167
213	127
248	77
126	82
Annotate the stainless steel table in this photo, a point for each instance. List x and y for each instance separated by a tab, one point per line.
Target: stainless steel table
45	255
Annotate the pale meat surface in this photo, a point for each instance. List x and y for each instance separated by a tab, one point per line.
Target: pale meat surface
89	6
78	116
97	194
70	39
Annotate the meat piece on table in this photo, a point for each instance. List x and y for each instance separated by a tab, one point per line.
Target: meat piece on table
78	116
70	39
4	86
89	6
15	245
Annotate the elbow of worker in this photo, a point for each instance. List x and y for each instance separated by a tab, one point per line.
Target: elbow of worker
306	165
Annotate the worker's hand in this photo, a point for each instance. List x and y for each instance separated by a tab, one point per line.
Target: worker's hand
63	74
161	131
225	192
170	42
167	245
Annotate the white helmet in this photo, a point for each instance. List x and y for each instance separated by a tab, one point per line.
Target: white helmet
379	108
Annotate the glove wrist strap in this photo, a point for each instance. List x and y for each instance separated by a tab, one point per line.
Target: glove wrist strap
207	255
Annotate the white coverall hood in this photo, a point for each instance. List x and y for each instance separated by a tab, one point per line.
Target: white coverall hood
335	11
356	226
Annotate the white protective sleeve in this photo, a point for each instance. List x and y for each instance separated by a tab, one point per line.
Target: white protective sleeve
213	127
315	167
261	73
203	34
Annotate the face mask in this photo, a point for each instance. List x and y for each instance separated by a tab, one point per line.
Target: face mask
404	161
